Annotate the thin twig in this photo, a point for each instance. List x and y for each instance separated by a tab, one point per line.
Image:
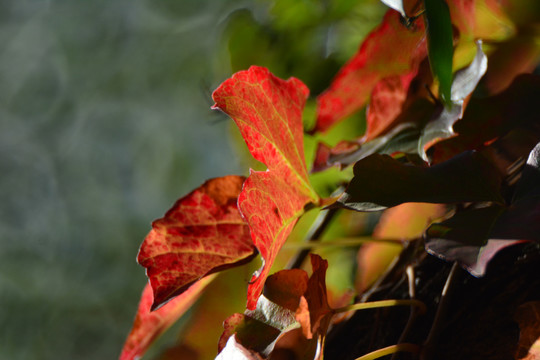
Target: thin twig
434	333
412	348
383	303
344	242
401	261
414	313
317	229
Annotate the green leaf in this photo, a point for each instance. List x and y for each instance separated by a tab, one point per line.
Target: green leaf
440	44
463	85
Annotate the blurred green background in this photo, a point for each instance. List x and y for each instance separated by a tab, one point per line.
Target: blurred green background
105	121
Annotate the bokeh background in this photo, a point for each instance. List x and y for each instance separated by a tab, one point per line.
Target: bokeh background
105	121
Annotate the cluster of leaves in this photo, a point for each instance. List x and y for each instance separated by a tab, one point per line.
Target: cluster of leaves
450	157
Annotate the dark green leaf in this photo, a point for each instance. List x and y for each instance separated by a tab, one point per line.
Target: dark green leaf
440	44
474	237
381	181
488	118
472	258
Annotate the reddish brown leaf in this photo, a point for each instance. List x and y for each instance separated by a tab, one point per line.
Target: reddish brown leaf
268	112
316	303
286	287
148	325
201	234
528	317
288	294
390	50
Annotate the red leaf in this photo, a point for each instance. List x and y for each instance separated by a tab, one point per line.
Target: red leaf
148	325
390	50
201	234
386	103
268	112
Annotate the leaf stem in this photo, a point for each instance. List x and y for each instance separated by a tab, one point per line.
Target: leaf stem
405	347
383	303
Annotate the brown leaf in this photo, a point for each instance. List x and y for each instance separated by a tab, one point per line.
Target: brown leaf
316	303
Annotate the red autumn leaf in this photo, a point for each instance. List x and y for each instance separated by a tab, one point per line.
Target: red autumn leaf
201	234
390	50
386	103
268	112
148	325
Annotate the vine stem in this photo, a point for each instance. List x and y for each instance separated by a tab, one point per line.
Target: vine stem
342	243
404	347
383	303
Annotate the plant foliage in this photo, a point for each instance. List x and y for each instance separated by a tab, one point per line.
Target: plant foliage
451	120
